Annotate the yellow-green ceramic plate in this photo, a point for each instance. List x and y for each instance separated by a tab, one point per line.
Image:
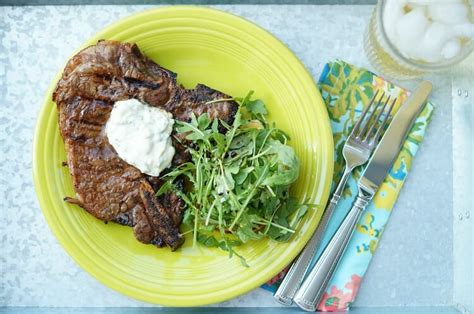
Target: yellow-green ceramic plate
227	53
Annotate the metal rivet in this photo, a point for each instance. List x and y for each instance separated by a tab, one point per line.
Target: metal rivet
460	216
466	93
467	214
459	92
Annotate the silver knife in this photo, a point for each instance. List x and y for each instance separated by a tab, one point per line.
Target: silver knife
314	286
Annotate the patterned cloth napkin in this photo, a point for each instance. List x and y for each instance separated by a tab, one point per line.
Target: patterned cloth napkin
345	90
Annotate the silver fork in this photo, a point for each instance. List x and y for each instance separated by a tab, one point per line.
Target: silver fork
314	286
356	151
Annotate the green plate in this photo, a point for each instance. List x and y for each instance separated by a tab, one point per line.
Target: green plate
227	53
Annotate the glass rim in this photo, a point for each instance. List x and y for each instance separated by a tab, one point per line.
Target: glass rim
418	65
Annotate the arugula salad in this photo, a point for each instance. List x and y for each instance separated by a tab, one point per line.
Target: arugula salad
238	180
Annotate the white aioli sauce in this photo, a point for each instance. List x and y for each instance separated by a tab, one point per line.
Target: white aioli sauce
140	134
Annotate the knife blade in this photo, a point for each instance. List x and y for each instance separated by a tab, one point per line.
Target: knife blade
314	286
393	139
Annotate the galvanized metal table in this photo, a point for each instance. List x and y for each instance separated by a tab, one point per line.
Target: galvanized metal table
424	261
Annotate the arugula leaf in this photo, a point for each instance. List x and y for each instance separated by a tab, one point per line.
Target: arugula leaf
238	181
288	164
256	107
203	121
242	174
207	240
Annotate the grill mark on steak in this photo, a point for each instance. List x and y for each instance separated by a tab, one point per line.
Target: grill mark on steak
105	185
160	218
139	83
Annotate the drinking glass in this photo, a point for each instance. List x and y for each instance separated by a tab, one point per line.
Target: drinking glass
387	59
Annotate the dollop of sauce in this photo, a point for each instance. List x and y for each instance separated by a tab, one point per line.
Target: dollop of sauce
140	134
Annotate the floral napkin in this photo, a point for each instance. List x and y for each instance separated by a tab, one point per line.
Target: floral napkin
345	90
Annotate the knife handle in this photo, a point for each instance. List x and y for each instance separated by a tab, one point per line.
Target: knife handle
313	288
293	279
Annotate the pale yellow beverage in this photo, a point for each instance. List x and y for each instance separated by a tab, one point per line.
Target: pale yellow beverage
409	38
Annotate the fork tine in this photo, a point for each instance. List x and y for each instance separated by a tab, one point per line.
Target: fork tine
364	113
376	138
369	119
374	123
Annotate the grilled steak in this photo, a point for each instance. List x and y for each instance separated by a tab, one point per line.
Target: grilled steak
106	186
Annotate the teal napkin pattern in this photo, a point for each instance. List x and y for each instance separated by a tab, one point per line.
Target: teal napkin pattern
345	90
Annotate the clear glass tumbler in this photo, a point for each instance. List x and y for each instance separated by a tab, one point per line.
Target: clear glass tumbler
388	60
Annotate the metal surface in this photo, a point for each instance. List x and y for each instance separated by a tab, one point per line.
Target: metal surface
313	287
424	236
463	198
194	2
357	150
208	310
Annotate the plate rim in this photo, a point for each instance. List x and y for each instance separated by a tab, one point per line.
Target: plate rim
41	191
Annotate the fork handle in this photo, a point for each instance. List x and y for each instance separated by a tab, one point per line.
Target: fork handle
293	279
313	288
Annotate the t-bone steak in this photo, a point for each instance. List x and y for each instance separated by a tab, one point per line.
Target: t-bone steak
106	186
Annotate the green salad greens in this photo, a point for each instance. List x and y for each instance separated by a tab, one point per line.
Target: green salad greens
238	179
